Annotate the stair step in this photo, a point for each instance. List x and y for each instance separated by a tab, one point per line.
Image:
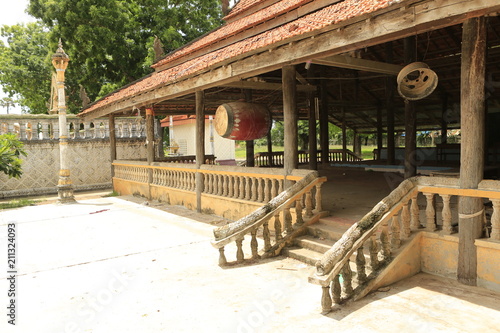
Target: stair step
327	231
305	255
315	244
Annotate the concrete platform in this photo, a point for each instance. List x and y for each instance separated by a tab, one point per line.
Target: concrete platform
111	265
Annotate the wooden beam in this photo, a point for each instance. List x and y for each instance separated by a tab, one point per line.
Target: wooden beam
256	85
472	145
344	61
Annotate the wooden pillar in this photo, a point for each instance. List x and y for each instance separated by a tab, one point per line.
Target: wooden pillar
313	145
249	144
323	124
344	138
150	135
444	121
200	144
290	118
112	142
389	93
410	117
269	150
380	131
356	145
471	210
160	151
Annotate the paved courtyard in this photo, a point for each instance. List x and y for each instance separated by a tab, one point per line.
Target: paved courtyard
113	265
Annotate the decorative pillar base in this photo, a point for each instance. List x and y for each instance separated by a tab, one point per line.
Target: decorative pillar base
65	194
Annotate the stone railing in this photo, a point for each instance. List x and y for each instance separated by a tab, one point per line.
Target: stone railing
380	233
241	183
304	197
276	159
46	127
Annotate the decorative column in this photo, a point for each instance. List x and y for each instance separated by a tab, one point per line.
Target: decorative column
200	144
290	117
60	61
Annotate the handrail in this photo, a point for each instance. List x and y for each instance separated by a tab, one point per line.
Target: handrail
260	217
401	200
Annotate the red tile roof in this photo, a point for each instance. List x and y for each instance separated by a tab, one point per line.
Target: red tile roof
234	28
332	14
241	6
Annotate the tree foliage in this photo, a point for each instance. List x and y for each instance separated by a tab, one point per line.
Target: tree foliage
11	150
25	70
110	41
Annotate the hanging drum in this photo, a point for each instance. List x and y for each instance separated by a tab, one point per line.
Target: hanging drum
416	81
242	121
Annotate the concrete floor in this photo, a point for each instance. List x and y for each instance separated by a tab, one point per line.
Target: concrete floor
112	265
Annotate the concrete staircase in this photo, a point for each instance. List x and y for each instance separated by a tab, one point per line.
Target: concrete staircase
319	238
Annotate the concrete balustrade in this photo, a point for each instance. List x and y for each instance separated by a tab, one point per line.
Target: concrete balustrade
46	127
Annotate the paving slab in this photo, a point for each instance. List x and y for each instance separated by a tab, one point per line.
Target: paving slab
111	265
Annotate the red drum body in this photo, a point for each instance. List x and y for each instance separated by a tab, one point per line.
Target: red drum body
242	121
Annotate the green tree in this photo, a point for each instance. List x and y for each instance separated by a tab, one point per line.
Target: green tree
110	41
25	69
11	150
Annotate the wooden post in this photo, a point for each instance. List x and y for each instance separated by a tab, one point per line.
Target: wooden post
389	93
249	144
150	135
269	150
444	121
112	142
313	145
471	210
200	144
410	117
323	124
344	138
380	131
290	117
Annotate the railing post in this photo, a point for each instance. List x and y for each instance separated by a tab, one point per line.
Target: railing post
222	257
254	244
326	300
406	220
298	211
361	265
430	212
239	251
395	232
318	197
495	220
267	236
446	214
287	216
415	212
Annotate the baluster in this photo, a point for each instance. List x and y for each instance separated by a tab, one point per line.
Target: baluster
415	212
280	185
220	191
309	204
495	220
210	183
336	289
274	189
298	211
384	240
254	189
347	277
361	265
222	257
405	220
395	232
430	212
446	214
318	197
236	187
267	236
247	189
374	263
230	192
241	187
287	216
277	227
239	251
267	192
260	190
326	300
254	244
225	185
